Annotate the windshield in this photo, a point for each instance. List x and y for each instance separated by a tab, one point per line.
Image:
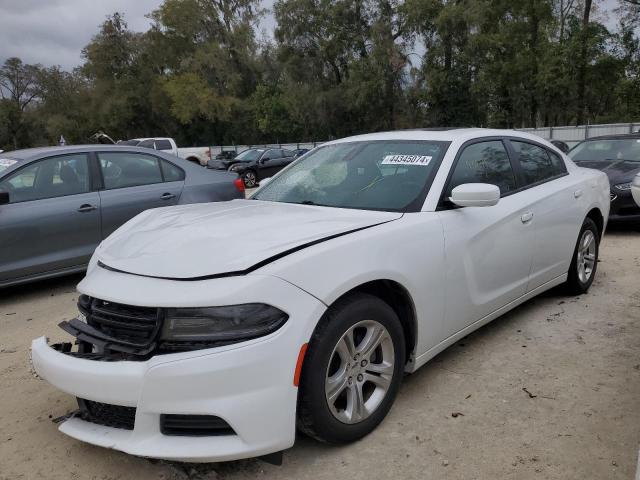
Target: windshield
6	163
611	150
380	175
249	155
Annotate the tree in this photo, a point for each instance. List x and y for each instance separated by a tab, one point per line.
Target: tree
19	89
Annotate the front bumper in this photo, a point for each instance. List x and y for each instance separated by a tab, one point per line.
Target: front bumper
623	207
249	385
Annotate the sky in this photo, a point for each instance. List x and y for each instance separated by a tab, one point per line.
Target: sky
53	32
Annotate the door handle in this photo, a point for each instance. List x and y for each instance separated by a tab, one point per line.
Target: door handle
526	217
167	196
577	194
87	208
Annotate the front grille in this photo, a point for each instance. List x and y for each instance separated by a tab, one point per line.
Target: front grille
613	196
131	325
115	416
194	425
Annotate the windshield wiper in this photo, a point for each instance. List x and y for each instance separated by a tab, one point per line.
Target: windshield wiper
311	202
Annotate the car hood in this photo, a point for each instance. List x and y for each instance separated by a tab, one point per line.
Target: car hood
225	238
618	171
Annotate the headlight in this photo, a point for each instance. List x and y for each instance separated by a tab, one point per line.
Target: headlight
624	186
220	325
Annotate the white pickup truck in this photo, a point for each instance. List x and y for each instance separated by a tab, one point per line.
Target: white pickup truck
199	155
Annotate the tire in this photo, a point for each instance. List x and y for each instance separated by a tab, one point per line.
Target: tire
584	262
250	179
363	315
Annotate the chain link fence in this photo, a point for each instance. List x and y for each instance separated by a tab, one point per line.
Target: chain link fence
569	134
573	135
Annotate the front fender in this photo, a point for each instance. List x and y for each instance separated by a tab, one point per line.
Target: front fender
409	251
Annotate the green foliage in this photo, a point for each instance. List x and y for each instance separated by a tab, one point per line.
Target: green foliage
333	68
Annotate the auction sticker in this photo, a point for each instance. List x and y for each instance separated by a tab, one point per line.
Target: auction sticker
421	160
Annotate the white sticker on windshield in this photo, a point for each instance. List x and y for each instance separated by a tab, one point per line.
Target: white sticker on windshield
7	162
422	160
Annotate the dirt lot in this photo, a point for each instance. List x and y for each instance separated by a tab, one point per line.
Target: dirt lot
551	390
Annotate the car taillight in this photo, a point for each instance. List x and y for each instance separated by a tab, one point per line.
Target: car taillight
239	184
209	153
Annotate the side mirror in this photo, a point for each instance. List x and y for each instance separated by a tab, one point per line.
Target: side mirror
4	198
475	195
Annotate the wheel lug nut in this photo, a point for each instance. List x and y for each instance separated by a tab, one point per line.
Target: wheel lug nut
350	380
363	363
360	377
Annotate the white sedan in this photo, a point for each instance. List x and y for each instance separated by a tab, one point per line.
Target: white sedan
210	332
635	189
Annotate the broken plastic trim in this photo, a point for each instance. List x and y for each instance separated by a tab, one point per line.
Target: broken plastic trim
246	271
86	333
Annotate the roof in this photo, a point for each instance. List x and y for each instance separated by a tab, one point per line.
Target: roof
438	134
32	153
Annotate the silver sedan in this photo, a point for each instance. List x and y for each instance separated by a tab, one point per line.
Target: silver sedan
58	203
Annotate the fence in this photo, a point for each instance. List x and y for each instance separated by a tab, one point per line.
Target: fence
573	135
570	135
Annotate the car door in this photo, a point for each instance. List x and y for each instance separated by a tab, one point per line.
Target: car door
270	163
287	157
134	182
555	201
488	249
53	219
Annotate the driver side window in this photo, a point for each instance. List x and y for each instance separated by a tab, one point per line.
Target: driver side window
484	162
48	178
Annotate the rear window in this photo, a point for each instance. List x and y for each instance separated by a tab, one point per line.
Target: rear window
163	145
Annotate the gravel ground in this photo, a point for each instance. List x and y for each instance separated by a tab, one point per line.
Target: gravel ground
549	391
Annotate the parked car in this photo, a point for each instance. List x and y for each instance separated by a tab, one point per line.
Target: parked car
300	151
255	164
199	155
619	157
562	146
58	203
226	155
635	189
374	254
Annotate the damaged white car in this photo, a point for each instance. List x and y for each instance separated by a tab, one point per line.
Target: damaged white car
213	332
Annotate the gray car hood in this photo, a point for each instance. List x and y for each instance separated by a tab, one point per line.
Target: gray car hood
213	239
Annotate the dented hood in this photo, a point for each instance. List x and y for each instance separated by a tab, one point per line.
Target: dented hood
213	239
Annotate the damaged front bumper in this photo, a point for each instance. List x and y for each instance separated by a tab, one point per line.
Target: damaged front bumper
242	386
247	388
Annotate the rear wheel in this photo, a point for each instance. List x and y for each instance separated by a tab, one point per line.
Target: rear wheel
352	370
250	179
585	259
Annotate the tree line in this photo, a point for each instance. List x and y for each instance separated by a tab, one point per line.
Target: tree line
204	74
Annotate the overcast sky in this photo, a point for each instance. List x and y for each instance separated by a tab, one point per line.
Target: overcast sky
53	32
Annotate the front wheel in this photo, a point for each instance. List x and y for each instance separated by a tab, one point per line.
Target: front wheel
585	259
352	370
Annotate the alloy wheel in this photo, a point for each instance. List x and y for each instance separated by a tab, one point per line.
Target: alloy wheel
586	258
250	179
360	371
